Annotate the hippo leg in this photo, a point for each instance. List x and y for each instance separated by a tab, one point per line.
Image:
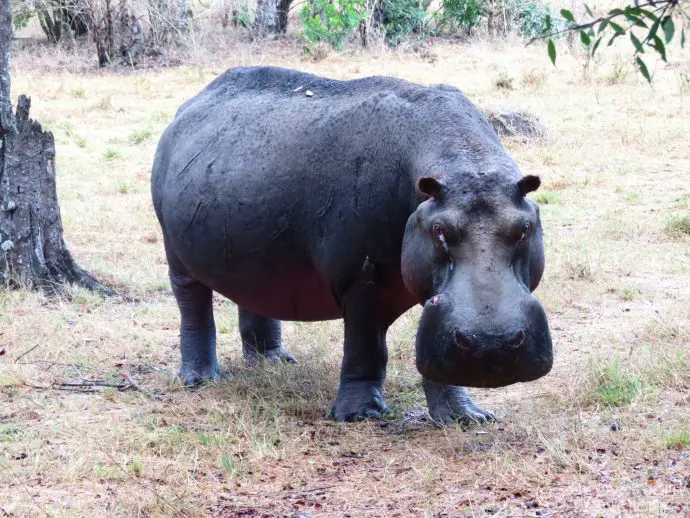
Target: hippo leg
197	329
360	395
261	338
451	404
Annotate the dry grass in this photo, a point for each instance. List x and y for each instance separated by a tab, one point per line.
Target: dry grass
604	434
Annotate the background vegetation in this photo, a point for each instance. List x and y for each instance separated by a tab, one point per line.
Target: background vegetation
92	422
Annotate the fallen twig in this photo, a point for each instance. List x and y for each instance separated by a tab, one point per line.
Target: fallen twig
16	360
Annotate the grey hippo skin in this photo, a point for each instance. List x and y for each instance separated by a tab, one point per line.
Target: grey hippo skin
303	198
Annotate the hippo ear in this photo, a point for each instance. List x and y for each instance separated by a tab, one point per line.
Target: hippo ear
431	186
528	183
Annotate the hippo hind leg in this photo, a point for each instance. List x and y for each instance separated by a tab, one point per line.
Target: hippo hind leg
451	404
197	327
261	338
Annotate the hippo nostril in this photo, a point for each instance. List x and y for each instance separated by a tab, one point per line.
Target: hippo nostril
517	340
462	341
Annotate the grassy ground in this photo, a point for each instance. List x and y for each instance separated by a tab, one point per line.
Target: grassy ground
606	433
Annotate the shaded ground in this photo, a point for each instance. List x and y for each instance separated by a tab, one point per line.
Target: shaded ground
605	434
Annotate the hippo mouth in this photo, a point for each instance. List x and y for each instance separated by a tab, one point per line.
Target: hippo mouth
488	359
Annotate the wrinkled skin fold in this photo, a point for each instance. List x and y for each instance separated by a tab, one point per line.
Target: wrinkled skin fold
355	203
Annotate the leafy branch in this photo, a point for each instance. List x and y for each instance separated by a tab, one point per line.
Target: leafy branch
651	15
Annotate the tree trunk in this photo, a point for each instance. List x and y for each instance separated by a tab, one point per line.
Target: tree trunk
33	253
266	15
282	15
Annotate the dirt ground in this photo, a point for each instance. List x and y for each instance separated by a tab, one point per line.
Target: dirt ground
606	433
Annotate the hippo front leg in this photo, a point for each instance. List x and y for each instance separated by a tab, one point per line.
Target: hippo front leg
363	371
451	404
261	338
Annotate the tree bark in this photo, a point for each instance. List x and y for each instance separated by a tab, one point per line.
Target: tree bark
33	253
283	10
266	18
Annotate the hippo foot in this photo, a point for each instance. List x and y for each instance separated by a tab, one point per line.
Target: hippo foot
195	375
253	356
357	401
450	404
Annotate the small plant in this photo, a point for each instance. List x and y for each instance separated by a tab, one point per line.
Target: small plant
678	225
533	79
111	154
504	81
139	136
614	386
135	467
80	141
78	92
227	464
629	293
332	22
104	104
678	440
632	196
546	197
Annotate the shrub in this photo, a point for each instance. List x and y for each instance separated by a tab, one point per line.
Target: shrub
332	21
462	14
403	17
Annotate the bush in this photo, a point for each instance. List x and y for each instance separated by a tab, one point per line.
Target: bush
462	14
332	21
403	17
529	17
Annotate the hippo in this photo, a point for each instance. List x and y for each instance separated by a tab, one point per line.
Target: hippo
302	198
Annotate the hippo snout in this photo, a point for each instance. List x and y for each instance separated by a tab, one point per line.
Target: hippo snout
456	347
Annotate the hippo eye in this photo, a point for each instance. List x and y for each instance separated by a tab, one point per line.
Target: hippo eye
524	232
438	231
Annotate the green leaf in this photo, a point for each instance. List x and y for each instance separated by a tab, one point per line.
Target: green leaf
613	38
586	40
636	43
643	69
635	20
596	46
552	51
682	37
616	12
603	25
648	14
567	15
619	30
589	11
652	31
658	45
668	27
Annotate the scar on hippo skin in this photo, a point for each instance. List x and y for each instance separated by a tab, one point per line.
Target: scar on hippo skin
527	184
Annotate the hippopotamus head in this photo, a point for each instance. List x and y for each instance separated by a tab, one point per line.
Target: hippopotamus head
472	254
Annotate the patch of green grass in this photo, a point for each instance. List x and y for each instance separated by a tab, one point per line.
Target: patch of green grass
135	467
678	225
629	293
104	471
125	187
678	439
228	464
614	385
10	432
111	154
78	92
104	104
546	197
80	141
632	196
138	136
161	116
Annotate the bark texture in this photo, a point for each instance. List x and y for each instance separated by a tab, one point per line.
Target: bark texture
33	253
266	18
